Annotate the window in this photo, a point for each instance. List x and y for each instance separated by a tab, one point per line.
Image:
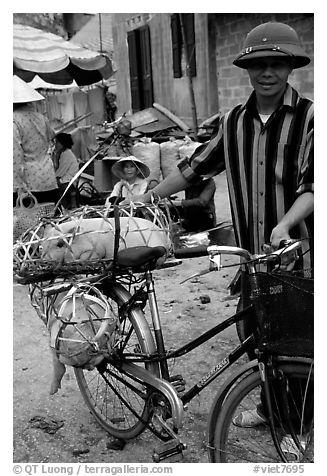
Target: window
177	42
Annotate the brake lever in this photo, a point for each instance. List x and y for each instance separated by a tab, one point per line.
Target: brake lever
214	265
278	255
215	262
196	275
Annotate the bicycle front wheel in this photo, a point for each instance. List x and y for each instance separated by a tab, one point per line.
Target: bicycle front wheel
120	405
234	444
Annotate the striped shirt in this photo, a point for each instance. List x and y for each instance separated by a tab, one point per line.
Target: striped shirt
267	165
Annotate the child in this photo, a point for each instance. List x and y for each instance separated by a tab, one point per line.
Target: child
66	168
132	173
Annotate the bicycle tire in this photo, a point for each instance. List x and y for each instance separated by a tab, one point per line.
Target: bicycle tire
105	389
232	444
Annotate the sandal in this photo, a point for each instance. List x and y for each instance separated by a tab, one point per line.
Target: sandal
288	446
249	419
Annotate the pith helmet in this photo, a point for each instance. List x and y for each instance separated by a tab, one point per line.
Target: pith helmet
272	39
23	92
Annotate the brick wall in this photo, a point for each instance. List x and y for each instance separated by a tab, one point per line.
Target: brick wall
231	28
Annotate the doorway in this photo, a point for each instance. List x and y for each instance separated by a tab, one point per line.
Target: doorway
139	52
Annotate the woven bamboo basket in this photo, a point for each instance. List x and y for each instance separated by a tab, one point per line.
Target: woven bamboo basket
84	241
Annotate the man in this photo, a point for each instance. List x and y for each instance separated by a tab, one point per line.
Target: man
197	210
265	145
266	148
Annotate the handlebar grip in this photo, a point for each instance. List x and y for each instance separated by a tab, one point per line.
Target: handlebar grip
193	252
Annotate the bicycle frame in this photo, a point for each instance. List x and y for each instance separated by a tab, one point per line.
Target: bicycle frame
162	356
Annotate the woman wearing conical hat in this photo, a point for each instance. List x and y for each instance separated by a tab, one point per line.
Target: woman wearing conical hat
133	174
33	168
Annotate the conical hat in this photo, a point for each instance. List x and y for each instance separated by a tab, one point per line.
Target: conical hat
143	169
23	92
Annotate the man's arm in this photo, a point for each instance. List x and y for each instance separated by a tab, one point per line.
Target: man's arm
301	209
207	160
175	182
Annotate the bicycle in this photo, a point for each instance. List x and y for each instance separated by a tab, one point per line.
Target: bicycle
94	311
132	389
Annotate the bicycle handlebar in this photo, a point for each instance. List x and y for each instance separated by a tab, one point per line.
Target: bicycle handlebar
215	251
194	252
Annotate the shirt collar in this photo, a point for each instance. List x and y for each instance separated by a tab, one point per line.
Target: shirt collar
138	180
289	99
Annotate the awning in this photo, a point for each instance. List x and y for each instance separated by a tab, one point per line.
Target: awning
55	60
39	83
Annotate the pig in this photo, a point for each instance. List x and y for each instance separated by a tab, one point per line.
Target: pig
78	308
95	237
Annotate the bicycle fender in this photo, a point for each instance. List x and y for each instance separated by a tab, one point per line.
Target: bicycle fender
162	386
220	396
137	317
244	370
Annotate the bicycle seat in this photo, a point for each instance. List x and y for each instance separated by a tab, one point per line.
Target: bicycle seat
139	255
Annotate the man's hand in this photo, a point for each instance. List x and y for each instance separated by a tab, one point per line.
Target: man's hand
279	234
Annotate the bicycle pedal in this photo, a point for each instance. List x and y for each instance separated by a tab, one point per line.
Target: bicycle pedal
167	449
178	383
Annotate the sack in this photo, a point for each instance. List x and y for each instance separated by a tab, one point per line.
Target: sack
26	217
188	148
149	153
169	156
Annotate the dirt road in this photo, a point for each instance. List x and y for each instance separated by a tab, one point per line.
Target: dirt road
75	436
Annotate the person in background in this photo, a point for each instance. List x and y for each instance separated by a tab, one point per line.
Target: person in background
111	106
197	210
132	173
266	147
67	167
33	169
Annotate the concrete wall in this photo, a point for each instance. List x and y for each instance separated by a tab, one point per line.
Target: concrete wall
233	83
172	93
219	85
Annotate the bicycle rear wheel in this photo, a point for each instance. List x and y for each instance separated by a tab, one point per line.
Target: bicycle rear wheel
229	443
120	405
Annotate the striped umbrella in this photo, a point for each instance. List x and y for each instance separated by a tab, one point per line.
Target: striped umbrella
55	60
